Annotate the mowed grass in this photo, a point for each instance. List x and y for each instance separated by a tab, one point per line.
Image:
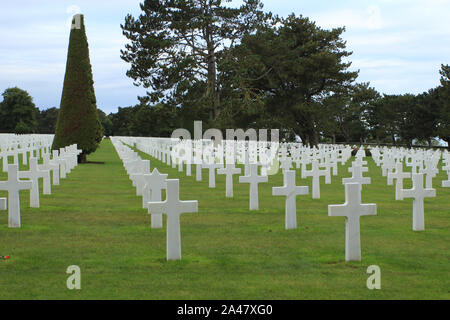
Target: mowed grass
94	220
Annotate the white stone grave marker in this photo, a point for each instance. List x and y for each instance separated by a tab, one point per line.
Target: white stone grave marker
3	204
418	193
212	173
315	173
430	172
291	191
173	208
399	176
253	179
352	210
13	185
155	182
357	175
34	174
52	166
229	171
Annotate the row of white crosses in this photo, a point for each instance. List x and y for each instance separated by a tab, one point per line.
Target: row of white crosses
251	175
352	209
154	183
423	165
14	145
420	161
388	164
14	184
301	155
289	190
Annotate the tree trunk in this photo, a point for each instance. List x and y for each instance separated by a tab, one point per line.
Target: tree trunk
212	93
82	158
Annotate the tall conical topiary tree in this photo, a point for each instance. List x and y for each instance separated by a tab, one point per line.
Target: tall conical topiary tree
78	120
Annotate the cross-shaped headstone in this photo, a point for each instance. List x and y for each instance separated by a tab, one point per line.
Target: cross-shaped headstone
418	193
253	179
34	174
357	175
52	166
13	185
138	176
352	210
315	173
430	172
212	172
286	163
62	164
291	191
399	176
229	171
180	164
173	208
283	152
154	183
189	167
198	172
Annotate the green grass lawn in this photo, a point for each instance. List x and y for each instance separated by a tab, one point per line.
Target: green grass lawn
94	220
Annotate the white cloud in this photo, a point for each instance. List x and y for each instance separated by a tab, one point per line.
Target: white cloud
369	18
374	19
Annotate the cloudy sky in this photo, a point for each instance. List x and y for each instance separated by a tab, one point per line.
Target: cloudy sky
398	45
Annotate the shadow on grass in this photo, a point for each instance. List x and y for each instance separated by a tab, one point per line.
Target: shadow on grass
92	162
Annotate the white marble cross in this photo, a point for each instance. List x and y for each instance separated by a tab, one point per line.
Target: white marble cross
34	174
62	164
229	171
138	176
315	173
286	163
198	172
253	179
359	162
291	191
51	166
154	183
173	208
357	175
328	165
430	172
418	193
446	183
13	185
352	210
189	168
399	176
212	172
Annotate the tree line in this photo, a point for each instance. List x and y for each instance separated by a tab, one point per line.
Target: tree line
243	67
19	115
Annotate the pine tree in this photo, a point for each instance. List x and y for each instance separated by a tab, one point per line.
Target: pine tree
78	120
